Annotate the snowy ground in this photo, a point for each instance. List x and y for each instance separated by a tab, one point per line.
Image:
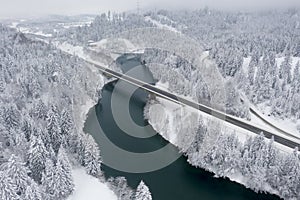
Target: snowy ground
246	62
68	25
89	187
160	25
70	49
28	31
287	125
113	45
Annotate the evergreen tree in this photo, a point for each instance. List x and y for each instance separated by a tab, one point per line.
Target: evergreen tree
27	127
285	70
63	175
2	82
57	180
21	145
201	92
36	158
53	128
120	187
201	132
92	159
32	192
66	123
289	176
11	116
34	88
142	192
8	189
226	155
40	110
18	173
67	129
296	73
48	180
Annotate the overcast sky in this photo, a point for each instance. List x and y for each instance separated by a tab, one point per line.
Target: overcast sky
13	8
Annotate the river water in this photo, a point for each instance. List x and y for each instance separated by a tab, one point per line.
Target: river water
177	181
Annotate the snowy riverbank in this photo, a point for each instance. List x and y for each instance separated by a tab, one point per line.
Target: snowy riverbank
218	146
89	187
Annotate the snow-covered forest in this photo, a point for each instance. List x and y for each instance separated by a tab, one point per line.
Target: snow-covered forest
261	51
43	96
184	79
44	91
104	26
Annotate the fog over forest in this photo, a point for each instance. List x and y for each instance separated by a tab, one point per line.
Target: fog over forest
30	8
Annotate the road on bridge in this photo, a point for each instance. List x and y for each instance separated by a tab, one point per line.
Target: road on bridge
286	141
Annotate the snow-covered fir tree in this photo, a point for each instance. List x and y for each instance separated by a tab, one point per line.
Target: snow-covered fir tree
18	173
120	187
36	158
142	192
91	156
8	189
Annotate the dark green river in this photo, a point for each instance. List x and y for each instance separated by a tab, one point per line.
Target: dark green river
177	181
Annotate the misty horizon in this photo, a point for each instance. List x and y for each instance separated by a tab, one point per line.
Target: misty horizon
35	8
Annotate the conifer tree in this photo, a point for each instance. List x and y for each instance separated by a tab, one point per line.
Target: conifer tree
142	192
8	189
36	158
53	128
92	159
18	173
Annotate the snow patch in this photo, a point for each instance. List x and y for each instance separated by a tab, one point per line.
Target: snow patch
160	25
28	31
288	125
40	33
294	62
70	49
119	45
89	187
75	24
14	24
246	62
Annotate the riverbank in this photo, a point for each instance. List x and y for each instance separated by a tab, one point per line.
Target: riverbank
213	145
